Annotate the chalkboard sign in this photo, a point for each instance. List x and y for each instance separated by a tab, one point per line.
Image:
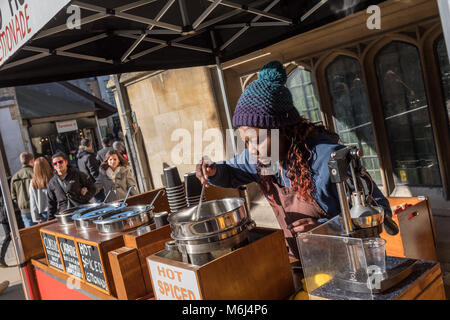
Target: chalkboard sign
51	248
92	265
70	257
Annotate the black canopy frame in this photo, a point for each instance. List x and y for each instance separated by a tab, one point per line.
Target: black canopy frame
118	36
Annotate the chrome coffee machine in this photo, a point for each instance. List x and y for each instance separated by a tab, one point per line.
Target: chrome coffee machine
365	219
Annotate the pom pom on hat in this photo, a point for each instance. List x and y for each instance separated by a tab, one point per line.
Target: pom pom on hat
273	72
267	102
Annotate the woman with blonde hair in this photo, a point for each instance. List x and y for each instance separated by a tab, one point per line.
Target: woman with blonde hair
38	190
115	175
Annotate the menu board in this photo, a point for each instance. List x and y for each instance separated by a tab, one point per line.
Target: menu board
92	265
51	248
70	257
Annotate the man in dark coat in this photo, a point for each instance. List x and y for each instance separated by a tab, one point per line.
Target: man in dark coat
20	184
68	185
107	145
88	164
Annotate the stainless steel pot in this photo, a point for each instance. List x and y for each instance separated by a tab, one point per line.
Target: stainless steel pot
214	217
64	217
125	219
217	228
84	218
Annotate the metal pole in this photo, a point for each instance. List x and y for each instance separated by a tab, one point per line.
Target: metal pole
345	209
13	225
444	10
224	95
128	134
99	136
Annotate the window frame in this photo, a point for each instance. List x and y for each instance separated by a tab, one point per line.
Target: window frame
324	92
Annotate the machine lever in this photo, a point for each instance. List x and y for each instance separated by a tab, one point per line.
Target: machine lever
390	226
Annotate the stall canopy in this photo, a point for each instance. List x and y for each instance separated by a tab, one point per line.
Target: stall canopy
54	40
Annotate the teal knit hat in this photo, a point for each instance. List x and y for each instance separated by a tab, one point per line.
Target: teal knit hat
266	102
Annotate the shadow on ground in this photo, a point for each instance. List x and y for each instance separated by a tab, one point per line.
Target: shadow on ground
14	292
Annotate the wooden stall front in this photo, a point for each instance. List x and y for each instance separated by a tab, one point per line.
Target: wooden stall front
124	257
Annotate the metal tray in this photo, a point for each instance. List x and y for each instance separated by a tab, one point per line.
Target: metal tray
84	218
125	219
64	218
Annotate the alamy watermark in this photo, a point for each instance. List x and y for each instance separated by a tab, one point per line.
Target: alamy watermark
74	19
191	146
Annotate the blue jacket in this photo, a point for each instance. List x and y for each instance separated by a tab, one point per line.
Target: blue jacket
241	170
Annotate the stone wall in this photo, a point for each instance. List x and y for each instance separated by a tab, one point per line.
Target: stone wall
168	101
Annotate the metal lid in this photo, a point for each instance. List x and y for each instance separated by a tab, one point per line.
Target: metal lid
123	214
97	211
214	217
208	210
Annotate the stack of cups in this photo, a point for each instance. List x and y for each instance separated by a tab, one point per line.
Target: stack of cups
193	189
175	189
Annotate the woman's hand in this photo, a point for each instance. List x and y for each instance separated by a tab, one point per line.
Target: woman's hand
303	225
205	169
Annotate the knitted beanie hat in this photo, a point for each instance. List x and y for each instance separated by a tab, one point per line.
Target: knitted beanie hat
267	102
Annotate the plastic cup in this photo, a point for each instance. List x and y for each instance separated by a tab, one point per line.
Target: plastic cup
374	249
172	177
192	185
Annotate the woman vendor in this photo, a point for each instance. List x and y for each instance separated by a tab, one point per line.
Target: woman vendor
299	189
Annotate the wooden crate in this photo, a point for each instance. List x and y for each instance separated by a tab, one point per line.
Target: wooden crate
417	236
138	245
92	250
259	270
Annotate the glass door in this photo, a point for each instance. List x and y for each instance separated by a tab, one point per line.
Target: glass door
405	111
351	111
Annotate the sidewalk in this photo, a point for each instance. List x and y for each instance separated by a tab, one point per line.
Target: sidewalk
15	289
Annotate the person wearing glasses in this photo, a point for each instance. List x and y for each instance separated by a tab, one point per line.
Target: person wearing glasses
69	187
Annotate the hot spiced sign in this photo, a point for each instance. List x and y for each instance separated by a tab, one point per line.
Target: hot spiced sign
173	283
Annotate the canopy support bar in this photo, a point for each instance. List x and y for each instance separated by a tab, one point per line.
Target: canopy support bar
227	15
158	17
123	107
313	9
172	43
205	13
224	94
254	11
63	27
245	28
252	24
184	13
13	225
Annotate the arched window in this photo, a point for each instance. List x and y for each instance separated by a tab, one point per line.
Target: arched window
351	110
444	68
405	110
300	83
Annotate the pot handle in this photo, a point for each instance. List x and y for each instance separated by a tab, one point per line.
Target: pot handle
156	197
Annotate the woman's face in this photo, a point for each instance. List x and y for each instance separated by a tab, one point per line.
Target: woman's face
258	143
113	161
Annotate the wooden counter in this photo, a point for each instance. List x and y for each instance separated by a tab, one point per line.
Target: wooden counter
424	283
417	236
